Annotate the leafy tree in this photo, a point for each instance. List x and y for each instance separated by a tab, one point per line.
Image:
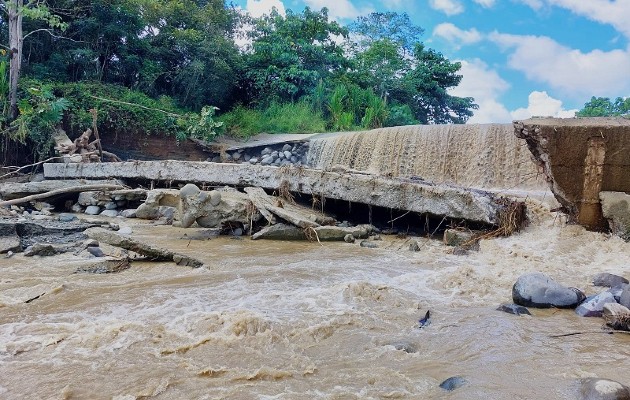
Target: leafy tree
16	11
604	107
291	55
406	73
390	26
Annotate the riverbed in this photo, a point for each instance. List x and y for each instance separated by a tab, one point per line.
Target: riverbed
300	320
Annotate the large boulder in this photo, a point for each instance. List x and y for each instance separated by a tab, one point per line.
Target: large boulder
210	209
603	389
540	291
157	199
616	211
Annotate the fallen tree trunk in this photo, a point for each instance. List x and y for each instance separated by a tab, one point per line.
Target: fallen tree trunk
73	189
402	194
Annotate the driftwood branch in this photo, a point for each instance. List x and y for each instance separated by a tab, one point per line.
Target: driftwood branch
74	189
28	166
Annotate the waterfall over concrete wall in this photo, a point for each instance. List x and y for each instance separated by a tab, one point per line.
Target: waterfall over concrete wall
487	156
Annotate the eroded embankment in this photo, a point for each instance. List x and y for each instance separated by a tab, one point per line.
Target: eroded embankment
581	157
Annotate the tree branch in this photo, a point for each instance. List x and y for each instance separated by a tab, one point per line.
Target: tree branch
49	31
73	189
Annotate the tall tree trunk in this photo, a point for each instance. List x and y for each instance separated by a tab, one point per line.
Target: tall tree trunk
15	46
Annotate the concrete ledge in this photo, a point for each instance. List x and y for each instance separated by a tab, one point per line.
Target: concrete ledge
402	194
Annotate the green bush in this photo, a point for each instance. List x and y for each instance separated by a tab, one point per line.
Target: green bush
400	115
277	118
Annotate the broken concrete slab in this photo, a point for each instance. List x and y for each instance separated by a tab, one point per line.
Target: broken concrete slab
12	191
402	194
261	200
280	231
151	252
616	209
580	157
338	233
296	218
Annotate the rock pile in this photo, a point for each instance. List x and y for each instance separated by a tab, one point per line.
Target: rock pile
540	291
278	155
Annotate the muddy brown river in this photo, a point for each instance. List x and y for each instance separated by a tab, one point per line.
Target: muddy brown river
298	320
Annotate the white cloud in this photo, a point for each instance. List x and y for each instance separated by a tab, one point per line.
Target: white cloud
570	71
613	12
486	86
534	4
485	3
455	35
448	7
540	104
258	8
338	9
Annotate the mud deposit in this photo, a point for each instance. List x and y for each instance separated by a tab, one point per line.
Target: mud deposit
287	320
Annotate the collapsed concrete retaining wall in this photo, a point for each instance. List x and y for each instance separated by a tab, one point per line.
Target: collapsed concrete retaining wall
580	157
403	194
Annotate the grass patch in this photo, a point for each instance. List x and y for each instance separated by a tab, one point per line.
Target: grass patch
277	118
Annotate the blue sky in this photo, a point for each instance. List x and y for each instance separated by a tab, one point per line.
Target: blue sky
519	57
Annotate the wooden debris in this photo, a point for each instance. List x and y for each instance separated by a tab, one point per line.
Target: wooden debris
617	316
73	189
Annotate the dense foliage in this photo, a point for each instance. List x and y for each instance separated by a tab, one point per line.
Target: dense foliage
161	66
604	107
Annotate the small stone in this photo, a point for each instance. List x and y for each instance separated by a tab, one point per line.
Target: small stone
265	151
274	154
287	154
608	280
109	213
405	346
453	383
278	161
40	249
125	230
228	157
96	251
294	159
253	160
41	217
513	309
368	244
129	213
237	232
92	210
216	159
110	205
344	224
90	243
247	157
414	246
286	147
349	238
377	237
237	156
266	160
281	155
285	162
77	208
455	237
65	217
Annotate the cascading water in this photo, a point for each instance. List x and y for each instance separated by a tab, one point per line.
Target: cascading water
487	156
